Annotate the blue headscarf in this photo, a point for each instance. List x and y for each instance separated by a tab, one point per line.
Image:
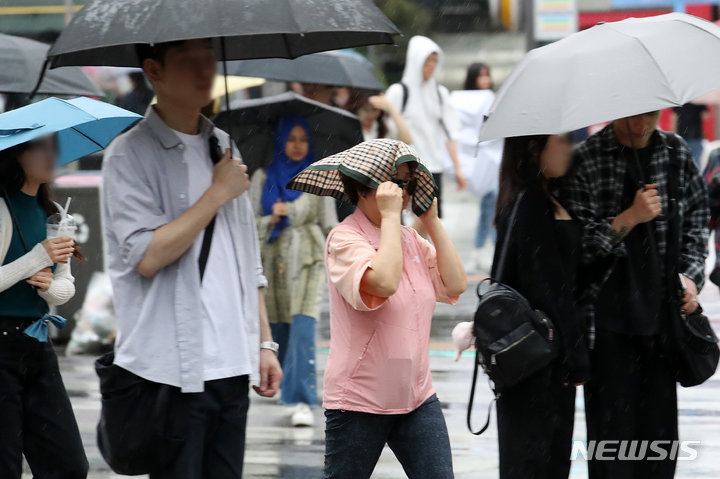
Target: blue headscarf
283	169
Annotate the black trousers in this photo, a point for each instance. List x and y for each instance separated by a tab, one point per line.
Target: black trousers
535	427
215	444
36	417
631	396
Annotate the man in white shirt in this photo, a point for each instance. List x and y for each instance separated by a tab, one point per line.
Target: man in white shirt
188	320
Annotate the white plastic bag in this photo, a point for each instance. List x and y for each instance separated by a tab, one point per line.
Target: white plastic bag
96	326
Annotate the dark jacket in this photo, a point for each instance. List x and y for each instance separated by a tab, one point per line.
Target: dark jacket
534	266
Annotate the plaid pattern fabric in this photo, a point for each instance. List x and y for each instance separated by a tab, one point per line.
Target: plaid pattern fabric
593	190
370	163
711	176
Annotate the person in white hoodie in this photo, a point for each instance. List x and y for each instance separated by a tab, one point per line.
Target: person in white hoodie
427	110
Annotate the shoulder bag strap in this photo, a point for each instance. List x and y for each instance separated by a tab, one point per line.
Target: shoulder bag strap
215	156
674	227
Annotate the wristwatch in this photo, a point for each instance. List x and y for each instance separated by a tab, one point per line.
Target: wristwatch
271	345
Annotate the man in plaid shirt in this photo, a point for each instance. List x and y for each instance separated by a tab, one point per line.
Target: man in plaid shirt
621	197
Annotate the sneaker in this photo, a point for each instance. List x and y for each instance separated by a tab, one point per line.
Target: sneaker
302	416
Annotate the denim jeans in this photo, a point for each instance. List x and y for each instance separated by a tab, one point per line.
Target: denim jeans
297	358
485	229
696	147
419	439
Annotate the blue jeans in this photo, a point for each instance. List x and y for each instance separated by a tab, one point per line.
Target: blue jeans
696	147
297	358
419	439
485	227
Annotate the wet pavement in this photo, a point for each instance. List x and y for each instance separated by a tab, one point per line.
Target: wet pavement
276	450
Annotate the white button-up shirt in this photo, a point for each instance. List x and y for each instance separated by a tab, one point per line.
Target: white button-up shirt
145	186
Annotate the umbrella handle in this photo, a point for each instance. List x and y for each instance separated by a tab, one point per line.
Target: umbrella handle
40	79
225	71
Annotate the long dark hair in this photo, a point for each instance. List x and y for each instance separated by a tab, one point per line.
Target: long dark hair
521	167
360	98
473	72
12	176
12	179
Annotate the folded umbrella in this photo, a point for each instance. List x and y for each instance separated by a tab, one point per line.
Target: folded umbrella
610	71
371	163
22	61
251	123
325	68
83	125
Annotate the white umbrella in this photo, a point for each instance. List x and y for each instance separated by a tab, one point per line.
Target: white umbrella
609	71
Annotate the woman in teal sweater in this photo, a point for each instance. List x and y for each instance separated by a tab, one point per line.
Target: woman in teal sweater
36	417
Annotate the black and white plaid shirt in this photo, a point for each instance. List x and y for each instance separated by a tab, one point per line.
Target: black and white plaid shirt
593	192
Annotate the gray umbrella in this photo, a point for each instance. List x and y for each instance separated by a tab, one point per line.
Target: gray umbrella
107	32
251	123
326	68
22	60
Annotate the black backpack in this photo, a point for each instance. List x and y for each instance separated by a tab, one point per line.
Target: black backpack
512	340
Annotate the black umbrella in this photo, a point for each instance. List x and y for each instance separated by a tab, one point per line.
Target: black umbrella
22	60
106	32
251	123
326	68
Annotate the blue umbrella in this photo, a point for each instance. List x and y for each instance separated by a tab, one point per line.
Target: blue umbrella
83	125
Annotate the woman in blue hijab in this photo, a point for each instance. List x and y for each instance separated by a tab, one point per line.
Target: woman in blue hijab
292	228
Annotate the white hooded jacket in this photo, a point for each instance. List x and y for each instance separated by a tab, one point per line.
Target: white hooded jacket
424	113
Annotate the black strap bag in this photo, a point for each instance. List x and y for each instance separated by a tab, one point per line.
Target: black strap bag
692	341
143	424
512	340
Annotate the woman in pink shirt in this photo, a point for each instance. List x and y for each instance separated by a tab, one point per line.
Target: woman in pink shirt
384	282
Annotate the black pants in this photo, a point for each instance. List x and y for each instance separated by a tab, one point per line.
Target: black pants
36	417
631	396
215	444
535	427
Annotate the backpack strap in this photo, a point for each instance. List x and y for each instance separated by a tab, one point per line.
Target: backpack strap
501	264
406	95
506	243
441	120
472	398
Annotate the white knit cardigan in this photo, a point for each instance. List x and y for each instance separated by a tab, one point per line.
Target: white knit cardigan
62	288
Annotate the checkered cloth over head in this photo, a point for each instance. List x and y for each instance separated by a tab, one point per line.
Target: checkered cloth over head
370	163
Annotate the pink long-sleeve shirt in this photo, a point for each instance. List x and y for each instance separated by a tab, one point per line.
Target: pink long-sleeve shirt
379	347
